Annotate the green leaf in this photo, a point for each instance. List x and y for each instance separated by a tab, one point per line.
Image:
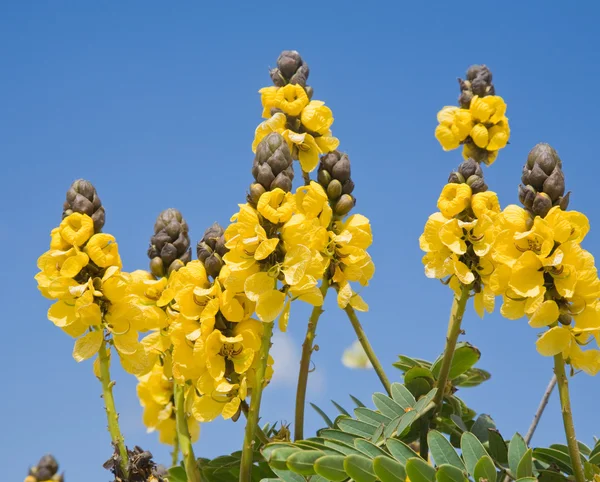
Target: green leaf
442	451
485	469
331	467
594	458
288	476
177	474
450	473
387	406
341	447
405	363
418	372
423	403
554	456
388	470
419	471
400	451
527	479
406	421
323	415
472	450
278	458
497	446
516	450
302	462
584	450
359	468
551	476
370	416
402	396
465	356
356	427
419	386
481	427
341	409
357	401
310	445
390	428
369	449
472	378
378	433
333	434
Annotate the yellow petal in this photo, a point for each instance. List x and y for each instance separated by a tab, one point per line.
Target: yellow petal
88	345
554	341
358	303
269	305
285	317
258	284
479	134
265	248
545	315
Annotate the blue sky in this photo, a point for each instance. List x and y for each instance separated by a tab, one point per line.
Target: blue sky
157	102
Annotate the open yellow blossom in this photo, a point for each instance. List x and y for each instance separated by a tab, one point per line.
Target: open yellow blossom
57	242
454	126
308	150
261	288
218	398
317	117
277	205
276	123
312	201
489	109
291	99
76	229
103	250
267	98
56	264
485	204
454	199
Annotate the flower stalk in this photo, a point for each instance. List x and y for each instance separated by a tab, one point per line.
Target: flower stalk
183	435
364	341
540	410
111	412
307	349
458	310
565	404
253	412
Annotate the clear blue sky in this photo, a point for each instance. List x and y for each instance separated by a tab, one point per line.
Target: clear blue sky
157	102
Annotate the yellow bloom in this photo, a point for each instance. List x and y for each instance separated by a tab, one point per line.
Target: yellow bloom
261	288
276	123
327	142
77	315
291	99
267	98
76	228
103	250
511	245
56	264
57	242
88	345
312	201
454	126
454	199
485	204
490	109
317	117
498	135
277	206
308	149
218	398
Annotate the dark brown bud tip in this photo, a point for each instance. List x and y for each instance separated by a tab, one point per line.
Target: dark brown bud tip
477	184
554	186
469	168
83	198
541	204
545	156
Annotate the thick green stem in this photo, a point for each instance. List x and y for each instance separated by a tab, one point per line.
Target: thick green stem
307	349
260	433
565	403
175	453
458	310
183	434
253	413
364	341
111	412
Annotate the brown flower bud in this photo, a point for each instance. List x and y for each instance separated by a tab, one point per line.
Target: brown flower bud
83	198
170	242
211	248
334	190
324	178
545	156
541	204
272	167
255	192
456	178
344	205
554	185
526	196
564	201
479	82
291	68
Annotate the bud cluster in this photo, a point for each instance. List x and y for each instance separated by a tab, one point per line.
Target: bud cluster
211	249
291	69
46	470
469	172
543	182
272	167
83	198
334	176
478	82
170	245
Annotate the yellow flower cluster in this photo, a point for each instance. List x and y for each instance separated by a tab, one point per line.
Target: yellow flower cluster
458	241
305	124
155	391
544	273
483	125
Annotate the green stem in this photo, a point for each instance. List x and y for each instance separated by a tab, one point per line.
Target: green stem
260	433
565	403
458	310
423	444
175	453
540	410
183	434
253	413
364	341
307	349
306	176
111	412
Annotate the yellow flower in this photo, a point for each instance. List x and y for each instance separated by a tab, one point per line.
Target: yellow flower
489	109
308	149
56	264
511	245
327	142
276	123
485	204
498	135
57	242
454	127
261	288
103	250
277	205
291	99
454	199
267	98
77	315
76	228
218	398
188	359
470	150
317	117
312	201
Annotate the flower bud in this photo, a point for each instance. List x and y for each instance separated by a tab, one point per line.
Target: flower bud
83	198
334	190
211	248
477	184
564	201
469	168
541	204
272	167
324	178
170	243
291	68
344	205
479	82
545	156
554	185
526	196
565	319
456	178
157	267
348	187
255	192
